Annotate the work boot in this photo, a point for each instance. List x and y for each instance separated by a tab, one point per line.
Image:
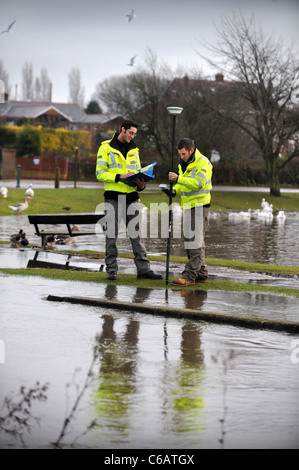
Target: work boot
182	282
111	276
149	275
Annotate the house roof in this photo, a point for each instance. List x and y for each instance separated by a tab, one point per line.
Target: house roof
70	111
33	109
100	118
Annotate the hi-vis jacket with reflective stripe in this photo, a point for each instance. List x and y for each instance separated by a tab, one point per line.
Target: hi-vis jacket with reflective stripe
194	185
111	162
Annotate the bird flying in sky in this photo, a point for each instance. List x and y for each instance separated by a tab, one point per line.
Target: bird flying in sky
8	30
132	60
131	16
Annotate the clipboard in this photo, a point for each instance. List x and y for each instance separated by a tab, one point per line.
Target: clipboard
146	173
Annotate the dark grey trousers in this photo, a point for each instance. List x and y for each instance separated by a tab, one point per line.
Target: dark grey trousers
197	220
130	214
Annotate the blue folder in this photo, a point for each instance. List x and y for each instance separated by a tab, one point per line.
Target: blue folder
146	173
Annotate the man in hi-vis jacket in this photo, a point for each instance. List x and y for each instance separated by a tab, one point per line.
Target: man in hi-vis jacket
118	159
193	184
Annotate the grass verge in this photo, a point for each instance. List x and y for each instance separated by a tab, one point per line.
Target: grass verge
261	268
131	280
53	201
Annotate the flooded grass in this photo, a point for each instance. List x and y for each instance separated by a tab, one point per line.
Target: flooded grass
131	280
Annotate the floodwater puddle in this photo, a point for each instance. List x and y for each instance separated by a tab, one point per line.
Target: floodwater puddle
157	382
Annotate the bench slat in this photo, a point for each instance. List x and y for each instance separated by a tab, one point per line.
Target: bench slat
55	219
44	233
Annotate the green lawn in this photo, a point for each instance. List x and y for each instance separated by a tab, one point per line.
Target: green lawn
85	200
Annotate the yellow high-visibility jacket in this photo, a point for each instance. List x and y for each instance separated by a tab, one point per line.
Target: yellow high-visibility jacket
111	162
195	183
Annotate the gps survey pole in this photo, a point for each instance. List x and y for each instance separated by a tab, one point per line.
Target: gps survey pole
174	111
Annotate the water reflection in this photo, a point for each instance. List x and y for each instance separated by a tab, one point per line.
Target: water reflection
156	385
186	388
256	239
117	375
118	383
119	386
253	240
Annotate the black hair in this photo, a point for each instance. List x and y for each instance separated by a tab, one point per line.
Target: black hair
128	123
185	143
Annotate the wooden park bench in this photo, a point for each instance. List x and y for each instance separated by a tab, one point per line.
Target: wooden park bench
67	220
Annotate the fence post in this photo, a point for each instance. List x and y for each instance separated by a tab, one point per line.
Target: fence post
76	166
57	176
18	175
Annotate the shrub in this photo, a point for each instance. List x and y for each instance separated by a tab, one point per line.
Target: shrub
28	142
8	137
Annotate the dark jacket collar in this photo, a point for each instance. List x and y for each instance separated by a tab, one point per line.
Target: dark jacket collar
123	148
185	164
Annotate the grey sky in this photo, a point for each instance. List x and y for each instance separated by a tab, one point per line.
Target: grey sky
95	36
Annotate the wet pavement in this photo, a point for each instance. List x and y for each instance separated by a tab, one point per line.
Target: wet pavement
159	383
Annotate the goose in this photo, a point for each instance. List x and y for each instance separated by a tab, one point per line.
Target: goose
234	215
266	214
246	215
29	192
264	203
4	192
281	215
215	215
256	213
67	239
21	206
267	211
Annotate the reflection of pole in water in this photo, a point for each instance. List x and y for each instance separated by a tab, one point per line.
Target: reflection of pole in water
165	335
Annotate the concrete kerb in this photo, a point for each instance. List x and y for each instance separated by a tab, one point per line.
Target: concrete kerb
220	318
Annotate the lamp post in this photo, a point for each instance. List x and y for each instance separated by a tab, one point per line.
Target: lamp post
174	112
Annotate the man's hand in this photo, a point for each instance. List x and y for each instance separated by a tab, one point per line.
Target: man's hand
140	183
172	177
130	173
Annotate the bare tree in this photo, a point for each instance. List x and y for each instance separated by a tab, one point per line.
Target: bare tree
27	81
45	84
142	95
117	95
37	89
260	101
76	91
